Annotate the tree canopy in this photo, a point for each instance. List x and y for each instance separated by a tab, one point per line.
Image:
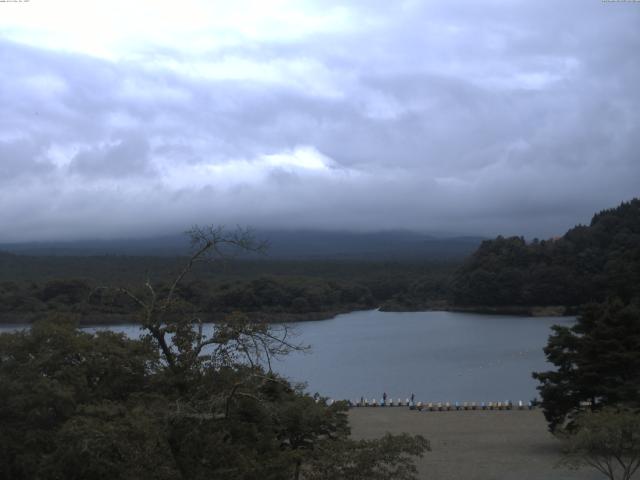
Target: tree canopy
178	403
597	361
607	440
587	264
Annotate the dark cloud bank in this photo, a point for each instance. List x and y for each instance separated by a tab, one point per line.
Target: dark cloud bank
479	118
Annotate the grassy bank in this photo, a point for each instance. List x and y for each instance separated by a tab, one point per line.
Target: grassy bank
474	445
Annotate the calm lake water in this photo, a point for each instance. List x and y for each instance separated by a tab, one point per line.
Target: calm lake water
439	356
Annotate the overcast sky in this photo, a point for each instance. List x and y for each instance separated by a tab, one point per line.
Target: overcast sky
123	118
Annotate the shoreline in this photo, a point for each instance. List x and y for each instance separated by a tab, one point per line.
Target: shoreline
290	317
525	311
93	319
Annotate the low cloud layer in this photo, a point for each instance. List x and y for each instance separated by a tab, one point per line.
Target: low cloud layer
472	117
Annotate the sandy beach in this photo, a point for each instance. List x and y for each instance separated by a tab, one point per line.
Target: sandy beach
474	445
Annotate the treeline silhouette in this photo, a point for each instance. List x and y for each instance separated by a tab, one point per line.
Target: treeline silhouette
587	264
35	287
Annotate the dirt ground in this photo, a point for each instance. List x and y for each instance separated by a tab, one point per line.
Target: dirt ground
474	445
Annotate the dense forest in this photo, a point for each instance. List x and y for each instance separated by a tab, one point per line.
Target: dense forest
176	403
35	287
125	407
587	264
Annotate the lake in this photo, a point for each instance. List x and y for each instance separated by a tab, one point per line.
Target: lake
438	356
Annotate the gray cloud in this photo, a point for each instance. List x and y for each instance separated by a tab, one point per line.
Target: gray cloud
475	117
126	157
21	158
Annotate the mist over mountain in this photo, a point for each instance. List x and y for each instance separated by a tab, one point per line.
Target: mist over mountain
283	244
469	116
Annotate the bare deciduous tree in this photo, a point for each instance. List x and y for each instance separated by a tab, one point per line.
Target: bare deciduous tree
179	334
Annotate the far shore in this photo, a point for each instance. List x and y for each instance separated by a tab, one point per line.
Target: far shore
474	445
526	311
289	317
128	319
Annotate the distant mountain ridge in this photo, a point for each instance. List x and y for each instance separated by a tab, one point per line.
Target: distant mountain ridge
302	244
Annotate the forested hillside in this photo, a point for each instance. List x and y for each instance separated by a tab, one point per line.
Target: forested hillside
35	287
587	264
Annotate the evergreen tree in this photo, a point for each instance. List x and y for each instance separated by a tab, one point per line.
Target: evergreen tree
597	360
587	264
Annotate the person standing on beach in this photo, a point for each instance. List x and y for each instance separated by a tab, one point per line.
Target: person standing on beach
384	398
